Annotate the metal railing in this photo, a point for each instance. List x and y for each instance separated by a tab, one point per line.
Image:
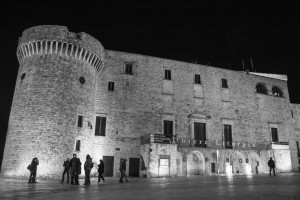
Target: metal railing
215	144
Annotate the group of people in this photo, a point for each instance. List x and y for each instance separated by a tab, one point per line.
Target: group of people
73	166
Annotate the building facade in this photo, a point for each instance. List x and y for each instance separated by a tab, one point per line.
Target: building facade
166	117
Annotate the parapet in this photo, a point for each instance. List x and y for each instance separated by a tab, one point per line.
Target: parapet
52	39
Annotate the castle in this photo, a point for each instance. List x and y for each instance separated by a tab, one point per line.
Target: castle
166	117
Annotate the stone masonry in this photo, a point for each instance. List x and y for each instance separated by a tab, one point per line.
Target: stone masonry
64	75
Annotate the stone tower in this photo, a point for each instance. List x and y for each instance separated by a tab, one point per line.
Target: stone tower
55	84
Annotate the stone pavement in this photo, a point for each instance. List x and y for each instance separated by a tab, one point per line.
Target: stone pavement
238	187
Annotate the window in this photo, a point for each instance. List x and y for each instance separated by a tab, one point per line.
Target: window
168	128
100	126
200	134
274	134
228	136
111	86
168	74
128	68
260	88
82	80
276	92
224	83
77	146
197	79
80	121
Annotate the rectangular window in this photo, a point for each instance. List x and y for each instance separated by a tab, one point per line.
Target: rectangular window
168	128
228	136
200	134
197	79
128	68
100	126
274	134
111	86
77	147
224	83
213	167
168	74
80	121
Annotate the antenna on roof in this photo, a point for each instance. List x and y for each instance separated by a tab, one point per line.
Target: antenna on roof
251	64
243	65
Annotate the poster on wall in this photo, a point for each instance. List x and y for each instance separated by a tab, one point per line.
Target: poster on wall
164	162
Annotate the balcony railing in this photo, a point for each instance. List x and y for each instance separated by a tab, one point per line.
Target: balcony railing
215	144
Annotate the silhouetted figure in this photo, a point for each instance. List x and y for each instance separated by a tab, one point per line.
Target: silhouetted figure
123	170
33	169
66	166
271	164
75	165
101	171
88	165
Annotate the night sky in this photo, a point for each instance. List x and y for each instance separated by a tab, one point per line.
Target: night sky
209	32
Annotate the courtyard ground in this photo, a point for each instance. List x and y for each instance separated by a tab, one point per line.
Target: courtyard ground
238	187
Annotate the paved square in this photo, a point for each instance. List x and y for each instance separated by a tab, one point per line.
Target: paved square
239	187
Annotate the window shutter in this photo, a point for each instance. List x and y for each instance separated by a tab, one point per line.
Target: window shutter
102	125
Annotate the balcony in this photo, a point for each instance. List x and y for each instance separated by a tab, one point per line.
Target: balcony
213	144
280	145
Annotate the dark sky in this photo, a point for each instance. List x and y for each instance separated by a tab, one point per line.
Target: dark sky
222	34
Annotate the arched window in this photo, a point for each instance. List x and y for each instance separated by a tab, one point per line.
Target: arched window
276	91
260	88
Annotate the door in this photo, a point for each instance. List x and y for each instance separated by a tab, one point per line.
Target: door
200	134
134	167
108	165
228	136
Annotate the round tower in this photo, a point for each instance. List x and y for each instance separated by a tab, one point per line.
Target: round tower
52	112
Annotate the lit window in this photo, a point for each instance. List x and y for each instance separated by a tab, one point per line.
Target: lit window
277	92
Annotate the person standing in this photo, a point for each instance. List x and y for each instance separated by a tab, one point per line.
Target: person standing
87	168
75	165
123	170
33	169
101	171
66	166
271	164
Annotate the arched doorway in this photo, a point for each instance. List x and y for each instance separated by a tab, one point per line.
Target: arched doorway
195	164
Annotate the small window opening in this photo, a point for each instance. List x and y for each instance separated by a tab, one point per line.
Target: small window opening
168	74
128	68
100	126
77	146
82	80
276	92
260	88
23	76
274	134
197	79
111	86
80	121
224	83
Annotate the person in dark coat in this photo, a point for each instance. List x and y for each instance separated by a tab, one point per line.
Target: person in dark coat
34	164
75	165
87	169
271	164
123	170
66	166
101	171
